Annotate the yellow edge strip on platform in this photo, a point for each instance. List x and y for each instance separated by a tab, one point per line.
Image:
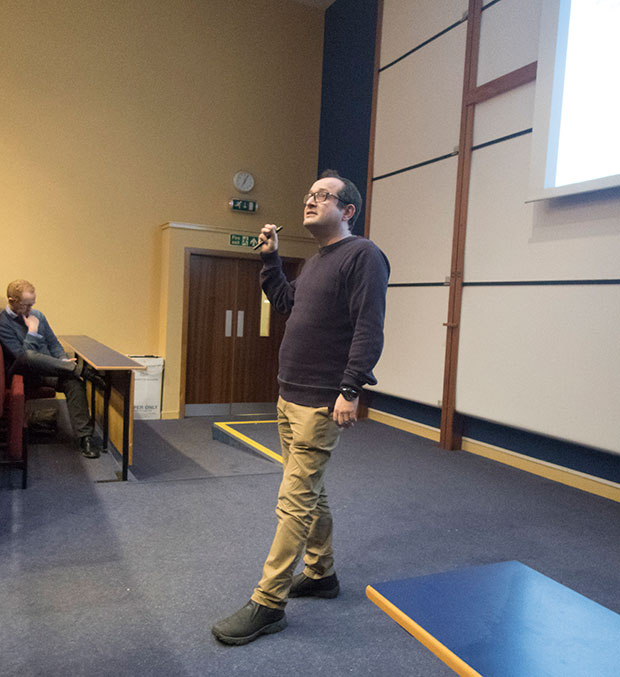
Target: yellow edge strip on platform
551	471
226	426
244	422
440	650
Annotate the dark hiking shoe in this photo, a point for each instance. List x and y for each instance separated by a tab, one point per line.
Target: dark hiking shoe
303	586
88	448
250	622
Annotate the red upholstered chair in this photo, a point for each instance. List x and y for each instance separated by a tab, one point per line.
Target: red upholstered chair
2	384
13	448
31	393
13	420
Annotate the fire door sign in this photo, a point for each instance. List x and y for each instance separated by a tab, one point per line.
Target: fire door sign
237	240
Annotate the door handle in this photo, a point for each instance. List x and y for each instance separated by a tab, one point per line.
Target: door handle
240	314
228	323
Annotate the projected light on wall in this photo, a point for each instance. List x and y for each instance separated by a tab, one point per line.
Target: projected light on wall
576	136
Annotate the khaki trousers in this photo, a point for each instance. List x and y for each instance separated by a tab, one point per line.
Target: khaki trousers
308	436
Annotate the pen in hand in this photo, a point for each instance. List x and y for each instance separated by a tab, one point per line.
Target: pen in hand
262	242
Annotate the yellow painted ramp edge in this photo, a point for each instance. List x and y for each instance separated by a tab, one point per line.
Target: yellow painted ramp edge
226	427
440	650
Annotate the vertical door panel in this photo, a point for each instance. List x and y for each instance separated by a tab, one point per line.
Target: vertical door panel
210	334
256	357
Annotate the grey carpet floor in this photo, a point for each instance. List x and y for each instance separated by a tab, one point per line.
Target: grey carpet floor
110	578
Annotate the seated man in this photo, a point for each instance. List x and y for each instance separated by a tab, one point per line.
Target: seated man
32	349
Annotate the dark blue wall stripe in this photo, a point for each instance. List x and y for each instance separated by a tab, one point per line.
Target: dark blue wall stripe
566	454
346	101
510	283
502	138
490	4
418	284
416	166
434	37
578	457
422	44
538	283
413	411
449	155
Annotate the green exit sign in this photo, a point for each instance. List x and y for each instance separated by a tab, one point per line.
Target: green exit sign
243	240
238	205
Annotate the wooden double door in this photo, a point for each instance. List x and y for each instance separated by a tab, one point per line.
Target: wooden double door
233	336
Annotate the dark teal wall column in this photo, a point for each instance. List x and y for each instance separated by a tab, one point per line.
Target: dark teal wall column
346	101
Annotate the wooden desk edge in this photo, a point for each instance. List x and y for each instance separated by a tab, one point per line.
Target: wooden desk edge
137	367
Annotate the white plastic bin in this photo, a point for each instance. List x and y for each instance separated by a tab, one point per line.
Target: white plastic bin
147	387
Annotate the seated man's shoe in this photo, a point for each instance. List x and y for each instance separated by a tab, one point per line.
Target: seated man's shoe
250	622
88	448
303	586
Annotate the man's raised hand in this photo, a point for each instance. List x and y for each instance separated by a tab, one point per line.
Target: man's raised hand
268	238
32	322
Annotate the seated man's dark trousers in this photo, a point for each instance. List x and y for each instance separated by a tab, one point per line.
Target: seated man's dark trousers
39	369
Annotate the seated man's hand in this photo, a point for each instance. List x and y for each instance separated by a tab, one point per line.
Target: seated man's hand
32	322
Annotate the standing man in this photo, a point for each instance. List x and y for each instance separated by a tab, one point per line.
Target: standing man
31	348
333	339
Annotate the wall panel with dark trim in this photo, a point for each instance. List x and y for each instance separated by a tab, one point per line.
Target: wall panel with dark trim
541	298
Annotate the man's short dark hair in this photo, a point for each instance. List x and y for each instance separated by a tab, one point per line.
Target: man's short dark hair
349	194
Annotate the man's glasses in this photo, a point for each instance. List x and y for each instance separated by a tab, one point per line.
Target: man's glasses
321	196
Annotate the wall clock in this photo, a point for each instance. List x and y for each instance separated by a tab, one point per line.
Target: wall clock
243	181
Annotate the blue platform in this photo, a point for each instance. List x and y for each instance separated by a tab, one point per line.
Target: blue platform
505	620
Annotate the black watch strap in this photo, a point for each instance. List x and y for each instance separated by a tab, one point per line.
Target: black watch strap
349	393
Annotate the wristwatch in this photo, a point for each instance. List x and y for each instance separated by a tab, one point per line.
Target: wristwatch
349	393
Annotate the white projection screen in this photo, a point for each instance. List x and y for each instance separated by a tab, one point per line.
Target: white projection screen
576	134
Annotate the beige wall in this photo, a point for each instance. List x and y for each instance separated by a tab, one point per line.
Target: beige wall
118	116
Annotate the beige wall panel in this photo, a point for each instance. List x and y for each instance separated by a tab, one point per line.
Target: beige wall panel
419	105
120	116
568	238
407	24
544	359
508	37
504	114
412	220
411	365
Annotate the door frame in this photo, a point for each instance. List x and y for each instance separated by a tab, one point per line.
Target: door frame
189	251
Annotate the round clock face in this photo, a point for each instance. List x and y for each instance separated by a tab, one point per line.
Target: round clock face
243	181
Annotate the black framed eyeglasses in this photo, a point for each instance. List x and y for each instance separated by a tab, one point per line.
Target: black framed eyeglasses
321	196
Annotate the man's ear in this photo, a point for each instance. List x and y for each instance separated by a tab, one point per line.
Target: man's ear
348	212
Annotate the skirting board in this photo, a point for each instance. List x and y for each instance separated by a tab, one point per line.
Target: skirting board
572	478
